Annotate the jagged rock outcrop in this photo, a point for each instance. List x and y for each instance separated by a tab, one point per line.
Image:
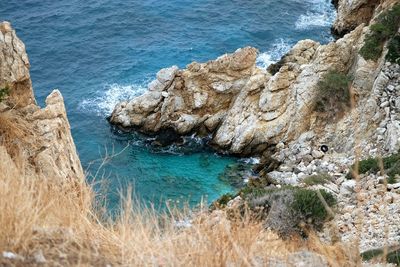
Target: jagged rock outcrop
351	13
14	67
38	140
245	108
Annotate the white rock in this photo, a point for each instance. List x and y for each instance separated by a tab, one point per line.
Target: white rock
347	187
12	256
167	75
317	154
39	257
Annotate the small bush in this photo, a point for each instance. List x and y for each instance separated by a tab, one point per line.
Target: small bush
310	208
385	28
393	54
370	254
391	166
392	256
4	92
372	48
322	178
333	92
223	200
290	210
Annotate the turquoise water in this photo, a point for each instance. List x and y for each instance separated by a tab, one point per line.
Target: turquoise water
100	52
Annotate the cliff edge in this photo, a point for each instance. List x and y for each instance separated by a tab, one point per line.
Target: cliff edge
37	139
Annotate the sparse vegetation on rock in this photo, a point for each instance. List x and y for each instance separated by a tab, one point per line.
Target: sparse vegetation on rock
385	28
392	256
316	179
393	54
333	93
4	92
290	210
390	165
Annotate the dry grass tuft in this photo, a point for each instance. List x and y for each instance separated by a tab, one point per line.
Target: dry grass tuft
15	132
42	216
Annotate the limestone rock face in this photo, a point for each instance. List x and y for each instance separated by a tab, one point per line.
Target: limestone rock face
40	137
353	13
184	99
57	157
244	108
14	67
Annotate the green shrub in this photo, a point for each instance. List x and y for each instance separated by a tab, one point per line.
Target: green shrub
4	92
289	210
224	199
390	20
393	54
391	166
310	208
385	28
392	256
333	92
321	178
370	254
372	48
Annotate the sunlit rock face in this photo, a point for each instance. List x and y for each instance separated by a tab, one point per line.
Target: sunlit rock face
40	138
244	107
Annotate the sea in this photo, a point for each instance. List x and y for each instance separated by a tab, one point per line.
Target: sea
99	52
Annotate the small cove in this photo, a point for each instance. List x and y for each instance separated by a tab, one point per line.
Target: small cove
100	52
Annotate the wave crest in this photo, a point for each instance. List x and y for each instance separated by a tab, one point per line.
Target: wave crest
104	103
321	14
278	49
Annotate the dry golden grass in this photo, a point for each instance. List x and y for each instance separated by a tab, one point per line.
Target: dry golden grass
41	216
15	132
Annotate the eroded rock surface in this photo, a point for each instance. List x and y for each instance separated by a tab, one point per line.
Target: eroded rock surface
245	108
351	13
39	139
14	67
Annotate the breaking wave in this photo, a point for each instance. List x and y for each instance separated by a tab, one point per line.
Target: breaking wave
104	103
321	14
278	49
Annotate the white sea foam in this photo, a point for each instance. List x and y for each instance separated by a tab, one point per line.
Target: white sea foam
312	19
252	161
279	48
104	103
321	14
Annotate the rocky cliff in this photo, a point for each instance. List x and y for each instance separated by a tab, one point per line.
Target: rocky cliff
246	109
37	139
352	13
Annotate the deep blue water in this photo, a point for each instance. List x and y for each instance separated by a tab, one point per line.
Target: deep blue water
99	52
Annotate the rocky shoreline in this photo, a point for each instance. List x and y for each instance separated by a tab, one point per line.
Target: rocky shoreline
247	111
270	113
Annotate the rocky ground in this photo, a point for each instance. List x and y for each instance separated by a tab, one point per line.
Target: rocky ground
376	205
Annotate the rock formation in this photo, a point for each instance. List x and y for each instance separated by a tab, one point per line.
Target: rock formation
39	140
245	108
352	13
